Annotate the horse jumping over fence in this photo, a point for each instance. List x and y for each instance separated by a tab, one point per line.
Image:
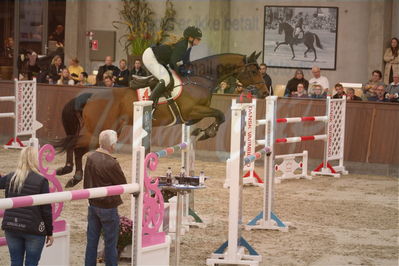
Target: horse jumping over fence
308	40
86	115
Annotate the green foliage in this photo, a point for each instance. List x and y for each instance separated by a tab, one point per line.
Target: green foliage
137	18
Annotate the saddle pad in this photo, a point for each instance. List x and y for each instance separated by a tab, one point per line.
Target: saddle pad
143	94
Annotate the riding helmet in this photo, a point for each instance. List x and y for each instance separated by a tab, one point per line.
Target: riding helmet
192	31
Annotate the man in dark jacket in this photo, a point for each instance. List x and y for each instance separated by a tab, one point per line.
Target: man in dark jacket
138	70
103	170
123	77
266	77
108	66
158	57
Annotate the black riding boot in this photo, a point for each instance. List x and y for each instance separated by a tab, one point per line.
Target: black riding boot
157	92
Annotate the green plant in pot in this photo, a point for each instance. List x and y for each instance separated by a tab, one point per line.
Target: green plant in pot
137	18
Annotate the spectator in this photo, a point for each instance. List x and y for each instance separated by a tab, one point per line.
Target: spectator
350	95
75	69
370	87
58	35
103	170
83	79
27	229
106	67
28	68
123	77
9	47
391	59
65	78
55	69
238	88
379	94
223	87
266	77
300	92
108	81
138	70
340	91
318	92
392	89
319	79
293	83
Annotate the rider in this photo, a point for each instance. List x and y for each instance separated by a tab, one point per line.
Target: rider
157	58
298	27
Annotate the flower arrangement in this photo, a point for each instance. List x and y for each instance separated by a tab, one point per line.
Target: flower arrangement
138	17
125	233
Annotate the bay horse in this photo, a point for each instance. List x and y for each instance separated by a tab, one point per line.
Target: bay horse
86	115
308	40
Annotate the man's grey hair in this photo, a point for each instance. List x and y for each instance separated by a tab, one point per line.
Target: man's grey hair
107	138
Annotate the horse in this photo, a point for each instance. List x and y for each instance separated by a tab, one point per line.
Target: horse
86	115
308	40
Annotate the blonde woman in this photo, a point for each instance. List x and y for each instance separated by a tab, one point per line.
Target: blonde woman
55	69
27	229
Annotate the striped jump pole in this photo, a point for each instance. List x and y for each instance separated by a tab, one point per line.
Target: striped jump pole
170	150
55	197
257	155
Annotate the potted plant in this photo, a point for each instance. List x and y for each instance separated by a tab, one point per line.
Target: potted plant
137	18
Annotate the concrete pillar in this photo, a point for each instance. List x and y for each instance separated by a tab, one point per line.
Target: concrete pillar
395	19
379	21
71	30
75	29
219	36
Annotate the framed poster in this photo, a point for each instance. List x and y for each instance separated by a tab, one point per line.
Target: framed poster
300	36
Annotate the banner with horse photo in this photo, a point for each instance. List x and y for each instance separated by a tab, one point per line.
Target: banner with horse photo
300	37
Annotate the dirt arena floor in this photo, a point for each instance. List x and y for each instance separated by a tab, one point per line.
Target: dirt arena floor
348	221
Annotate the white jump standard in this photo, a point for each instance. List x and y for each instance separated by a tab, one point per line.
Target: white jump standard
233	250
24	115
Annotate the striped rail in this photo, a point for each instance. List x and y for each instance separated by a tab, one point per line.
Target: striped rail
295	139
167	151
48	198
257	155
295	120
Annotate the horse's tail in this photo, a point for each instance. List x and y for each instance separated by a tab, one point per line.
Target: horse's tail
72	122
318	43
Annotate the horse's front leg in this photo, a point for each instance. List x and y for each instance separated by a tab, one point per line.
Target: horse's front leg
278	45
292	50
200	112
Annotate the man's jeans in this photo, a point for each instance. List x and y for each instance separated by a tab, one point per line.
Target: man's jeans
19	243
106	220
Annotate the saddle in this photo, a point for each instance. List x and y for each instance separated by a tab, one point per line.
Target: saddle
139	82
171	93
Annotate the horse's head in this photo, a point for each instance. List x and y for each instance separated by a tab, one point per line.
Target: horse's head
252	80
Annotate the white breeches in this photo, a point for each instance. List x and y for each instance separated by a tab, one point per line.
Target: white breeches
156	69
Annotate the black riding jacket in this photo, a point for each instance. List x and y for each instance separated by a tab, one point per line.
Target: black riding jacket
171	54
36	220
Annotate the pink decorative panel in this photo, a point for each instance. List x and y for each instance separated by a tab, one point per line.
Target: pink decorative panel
153	207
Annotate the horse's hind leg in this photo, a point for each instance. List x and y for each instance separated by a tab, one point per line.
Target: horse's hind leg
315	54
78	176
68	164
306	52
